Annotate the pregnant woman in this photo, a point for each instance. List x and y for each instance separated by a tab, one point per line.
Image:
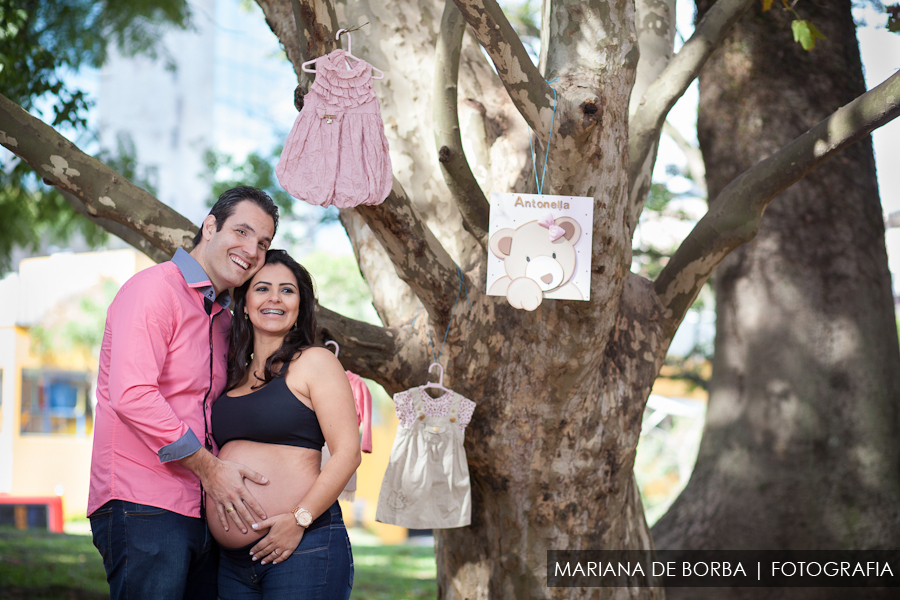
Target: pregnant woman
285	399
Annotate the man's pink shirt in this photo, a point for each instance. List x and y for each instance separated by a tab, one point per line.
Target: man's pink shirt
154	375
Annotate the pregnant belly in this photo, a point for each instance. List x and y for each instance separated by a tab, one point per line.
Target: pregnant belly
291	472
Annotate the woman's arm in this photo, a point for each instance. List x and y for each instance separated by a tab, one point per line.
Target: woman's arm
318	376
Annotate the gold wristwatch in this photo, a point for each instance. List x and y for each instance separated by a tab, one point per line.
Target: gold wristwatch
303	517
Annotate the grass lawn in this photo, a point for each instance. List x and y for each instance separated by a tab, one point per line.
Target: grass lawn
47	566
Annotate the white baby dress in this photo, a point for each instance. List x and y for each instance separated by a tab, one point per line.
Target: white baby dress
336	152
426	485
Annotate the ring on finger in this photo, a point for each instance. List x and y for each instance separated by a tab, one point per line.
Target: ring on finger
230	510
275	551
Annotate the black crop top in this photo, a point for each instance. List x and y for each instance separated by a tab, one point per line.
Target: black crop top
271	414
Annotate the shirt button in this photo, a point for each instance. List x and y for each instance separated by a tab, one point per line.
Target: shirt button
453	419
436	429
421	417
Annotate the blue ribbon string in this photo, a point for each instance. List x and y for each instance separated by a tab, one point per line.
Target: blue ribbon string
540	186
462	287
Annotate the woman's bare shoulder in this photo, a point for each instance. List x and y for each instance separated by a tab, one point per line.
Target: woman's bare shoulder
314	358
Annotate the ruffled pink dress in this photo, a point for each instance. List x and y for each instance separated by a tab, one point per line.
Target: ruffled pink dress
336	152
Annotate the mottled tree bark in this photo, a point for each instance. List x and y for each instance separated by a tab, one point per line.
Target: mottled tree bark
800	448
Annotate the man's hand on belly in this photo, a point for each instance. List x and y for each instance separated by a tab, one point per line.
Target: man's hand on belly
223	482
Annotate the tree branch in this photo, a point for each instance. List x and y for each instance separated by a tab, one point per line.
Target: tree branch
734	218
391	356
316	22
363	347
522	80
105	193
392	299
654	23
137	241
469	197
419	258
662	94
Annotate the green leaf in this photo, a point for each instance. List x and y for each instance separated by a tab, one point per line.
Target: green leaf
767	4
806	33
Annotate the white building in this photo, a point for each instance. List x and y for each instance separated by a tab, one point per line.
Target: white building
223	84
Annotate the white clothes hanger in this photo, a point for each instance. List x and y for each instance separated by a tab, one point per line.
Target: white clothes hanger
377	73
440	384
337	37
337	348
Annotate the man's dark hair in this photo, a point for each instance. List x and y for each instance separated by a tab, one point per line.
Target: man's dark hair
225	205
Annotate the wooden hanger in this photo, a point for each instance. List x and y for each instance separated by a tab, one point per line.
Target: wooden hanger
440	384
347	56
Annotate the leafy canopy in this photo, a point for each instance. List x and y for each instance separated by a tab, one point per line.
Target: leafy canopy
43	43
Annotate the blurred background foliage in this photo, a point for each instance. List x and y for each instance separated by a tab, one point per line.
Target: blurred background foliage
43	44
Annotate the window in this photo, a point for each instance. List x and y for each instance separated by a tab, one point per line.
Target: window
57	402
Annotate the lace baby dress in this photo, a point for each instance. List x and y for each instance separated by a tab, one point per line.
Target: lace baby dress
426	485
336	152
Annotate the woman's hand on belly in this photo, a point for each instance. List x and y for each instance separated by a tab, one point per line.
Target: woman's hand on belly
283	538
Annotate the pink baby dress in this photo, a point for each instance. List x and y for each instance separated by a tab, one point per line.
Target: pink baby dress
336	152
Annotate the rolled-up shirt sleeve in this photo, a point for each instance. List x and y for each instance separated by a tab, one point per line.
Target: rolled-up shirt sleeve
180	448
142	325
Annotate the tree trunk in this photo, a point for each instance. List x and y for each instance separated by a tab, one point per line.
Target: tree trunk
551	450
551	444
800	448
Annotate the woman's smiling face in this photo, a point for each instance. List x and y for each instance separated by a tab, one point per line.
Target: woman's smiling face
273	299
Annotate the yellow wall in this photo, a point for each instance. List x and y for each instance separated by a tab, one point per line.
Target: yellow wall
44	465
49	465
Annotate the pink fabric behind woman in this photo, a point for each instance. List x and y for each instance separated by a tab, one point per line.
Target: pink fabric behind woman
336	152
363	398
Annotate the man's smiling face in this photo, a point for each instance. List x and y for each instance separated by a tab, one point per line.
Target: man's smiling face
236	251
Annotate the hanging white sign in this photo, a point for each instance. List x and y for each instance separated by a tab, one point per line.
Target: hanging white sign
540	247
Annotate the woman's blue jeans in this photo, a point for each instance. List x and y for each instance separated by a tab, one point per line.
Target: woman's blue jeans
321	568
150	552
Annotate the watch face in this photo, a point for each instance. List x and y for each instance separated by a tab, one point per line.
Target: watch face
304	519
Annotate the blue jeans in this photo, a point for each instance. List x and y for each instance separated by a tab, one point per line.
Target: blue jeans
151	552
321	568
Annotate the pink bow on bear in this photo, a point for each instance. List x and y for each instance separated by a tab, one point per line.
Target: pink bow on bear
549	222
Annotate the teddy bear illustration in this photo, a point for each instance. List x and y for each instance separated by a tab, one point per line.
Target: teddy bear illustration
539	259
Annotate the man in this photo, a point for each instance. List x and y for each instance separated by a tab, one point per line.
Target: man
163	363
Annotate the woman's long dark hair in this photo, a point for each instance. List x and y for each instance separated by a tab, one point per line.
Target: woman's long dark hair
300	337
